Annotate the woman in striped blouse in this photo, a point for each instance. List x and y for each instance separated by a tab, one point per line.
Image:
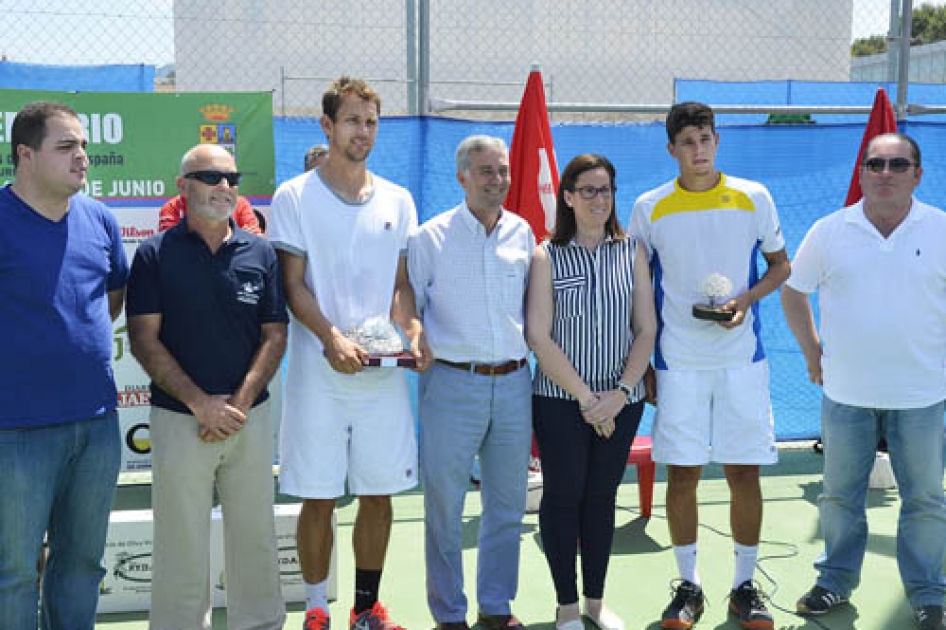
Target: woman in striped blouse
590	321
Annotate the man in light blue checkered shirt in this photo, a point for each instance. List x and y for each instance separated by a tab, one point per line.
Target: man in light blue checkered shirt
469	267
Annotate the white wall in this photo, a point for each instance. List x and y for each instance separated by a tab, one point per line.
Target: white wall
622	51
927	65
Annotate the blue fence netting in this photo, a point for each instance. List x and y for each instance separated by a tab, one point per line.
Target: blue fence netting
807	168
102	78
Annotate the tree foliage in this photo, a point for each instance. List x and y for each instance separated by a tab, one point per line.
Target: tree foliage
869	46
929	25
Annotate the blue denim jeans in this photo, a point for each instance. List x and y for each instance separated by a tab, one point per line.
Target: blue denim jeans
462	415
58	479
915	441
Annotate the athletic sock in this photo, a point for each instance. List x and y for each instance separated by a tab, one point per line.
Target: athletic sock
316	596
746	557
367	585
686	562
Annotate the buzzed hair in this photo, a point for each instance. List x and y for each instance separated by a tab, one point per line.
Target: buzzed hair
189	155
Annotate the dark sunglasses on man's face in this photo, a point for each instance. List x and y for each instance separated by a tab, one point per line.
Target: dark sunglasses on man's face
896	165
212	178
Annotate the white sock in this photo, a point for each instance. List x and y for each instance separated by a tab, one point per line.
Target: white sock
686	562
746	557
316	595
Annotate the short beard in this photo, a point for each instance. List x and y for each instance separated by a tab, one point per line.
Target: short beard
351	155
211	213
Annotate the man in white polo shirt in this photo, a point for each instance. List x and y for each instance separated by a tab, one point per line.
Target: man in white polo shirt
469	267
879	268
712	377
341	235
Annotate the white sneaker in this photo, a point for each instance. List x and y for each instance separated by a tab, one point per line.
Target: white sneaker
606	619
574	624
571	624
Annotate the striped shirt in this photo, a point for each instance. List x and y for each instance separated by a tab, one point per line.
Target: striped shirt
592	296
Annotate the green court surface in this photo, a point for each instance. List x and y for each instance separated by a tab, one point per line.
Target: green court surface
642	564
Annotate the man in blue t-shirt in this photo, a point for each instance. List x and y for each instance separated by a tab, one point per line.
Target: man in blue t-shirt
62	272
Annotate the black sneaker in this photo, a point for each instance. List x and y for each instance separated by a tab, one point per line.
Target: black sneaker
745	602
930	618
818	601
686	607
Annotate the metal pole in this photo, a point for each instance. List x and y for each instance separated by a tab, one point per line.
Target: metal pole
903	76
442	104
537	67
893	41
551	95
410	7
282	89
423	61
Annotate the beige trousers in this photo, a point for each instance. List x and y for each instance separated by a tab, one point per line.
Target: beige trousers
185	472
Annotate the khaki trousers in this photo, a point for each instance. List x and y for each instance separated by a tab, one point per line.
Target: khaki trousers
185	472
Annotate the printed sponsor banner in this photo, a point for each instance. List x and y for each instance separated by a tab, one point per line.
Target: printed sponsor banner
136	141
126	586
134	397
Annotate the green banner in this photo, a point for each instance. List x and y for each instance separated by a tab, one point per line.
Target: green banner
136	140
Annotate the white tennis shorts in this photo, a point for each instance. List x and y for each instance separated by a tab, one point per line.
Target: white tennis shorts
722	416
354	427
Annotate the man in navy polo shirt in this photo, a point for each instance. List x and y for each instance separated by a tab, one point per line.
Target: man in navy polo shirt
207	320
63	273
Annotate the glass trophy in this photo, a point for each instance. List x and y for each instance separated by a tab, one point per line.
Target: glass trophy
717	289
382	342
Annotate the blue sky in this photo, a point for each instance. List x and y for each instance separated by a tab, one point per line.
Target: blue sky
102	31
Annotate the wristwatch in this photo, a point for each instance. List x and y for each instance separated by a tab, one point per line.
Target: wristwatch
627	389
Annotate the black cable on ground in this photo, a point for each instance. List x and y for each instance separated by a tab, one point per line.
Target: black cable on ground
792	552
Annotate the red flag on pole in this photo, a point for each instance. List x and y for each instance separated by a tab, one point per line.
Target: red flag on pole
882	120
532	161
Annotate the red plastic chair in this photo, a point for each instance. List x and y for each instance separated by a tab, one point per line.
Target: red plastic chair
639	455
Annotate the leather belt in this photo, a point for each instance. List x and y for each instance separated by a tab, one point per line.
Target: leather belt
497	369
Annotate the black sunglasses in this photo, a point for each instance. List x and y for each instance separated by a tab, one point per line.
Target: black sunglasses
896	165
212	178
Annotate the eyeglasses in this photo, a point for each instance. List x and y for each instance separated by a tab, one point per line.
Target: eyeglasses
896	165
590	192
212	178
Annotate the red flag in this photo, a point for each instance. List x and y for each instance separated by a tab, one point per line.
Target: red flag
881	120
532	161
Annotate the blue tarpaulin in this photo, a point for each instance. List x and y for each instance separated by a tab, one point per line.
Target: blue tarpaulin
807	168
110	78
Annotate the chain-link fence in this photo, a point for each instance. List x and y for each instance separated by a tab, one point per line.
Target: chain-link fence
619	52
590	51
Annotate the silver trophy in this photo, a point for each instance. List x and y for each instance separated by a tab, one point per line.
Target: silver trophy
717	288
382	342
